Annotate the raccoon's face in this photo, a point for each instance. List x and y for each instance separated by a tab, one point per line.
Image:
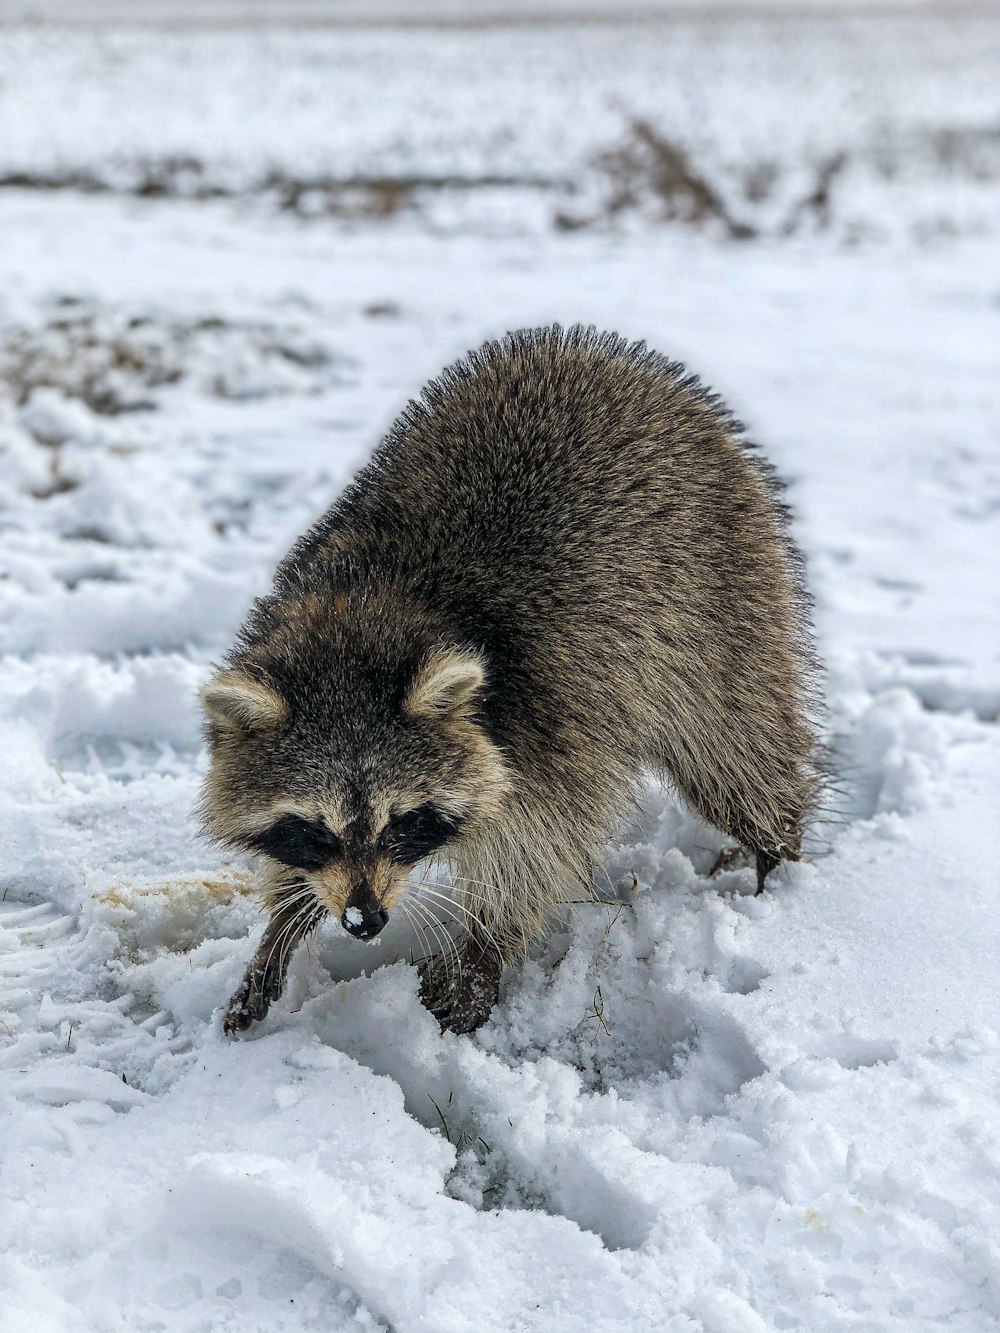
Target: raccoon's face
344	786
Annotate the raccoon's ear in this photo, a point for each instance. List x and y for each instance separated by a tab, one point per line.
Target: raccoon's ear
445	683
235	702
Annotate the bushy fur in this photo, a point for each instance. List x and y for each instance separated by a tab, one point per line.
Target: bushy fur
583	523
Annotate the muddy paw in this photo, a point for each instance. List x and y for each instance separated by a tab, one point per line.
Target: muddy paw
461	1002
251	1002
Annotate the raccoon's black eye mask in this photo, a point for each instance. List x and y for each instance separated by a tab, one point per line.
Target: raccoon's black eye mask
412	836
302	844
298	843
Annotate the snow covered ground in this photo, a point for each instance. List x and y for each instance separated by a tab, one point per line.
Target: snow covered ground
694	1110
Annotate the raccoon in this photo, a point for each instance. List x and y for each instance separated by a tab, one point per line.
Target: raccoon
563	568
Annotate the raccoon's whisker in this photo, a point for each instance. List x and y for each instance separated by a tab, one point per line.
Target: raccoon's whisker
433	952
291	932
442	923
419	929
447	947
472	921
490	885
448	869
487	900
281	940
471	917
471	894
296	900
423	937
300	893
466	879
433	892
293	893
408	903
285	925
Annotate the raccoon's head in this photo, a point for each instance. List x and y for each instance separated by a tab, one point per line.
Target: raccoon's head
346	763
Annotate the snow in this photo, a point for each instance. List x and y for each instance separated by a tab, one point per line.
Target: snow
506	125
694	1109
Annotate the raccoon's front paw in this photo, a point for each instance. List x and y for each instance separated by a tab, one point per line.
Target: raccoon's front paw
461	1001
258	990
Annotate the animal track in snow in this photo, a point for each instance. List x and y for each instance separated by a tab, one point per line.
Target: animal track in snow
943	685
744	976
853	1052
95	1052
567	1035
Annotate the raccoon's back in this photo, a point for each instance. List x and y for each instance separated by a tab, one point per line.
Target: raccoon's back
547	455
588	516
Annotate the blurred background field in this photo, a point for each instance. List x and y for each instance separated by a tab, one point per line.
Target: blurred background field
234	239
744	120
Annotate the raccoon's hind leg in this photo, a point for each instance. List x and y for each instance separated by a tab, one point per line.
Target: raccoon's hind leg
759	800
769	858
292	918
731	858
780	840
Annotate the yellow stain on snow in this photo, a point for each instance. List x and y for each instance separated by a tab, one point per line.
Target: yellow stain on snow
220	889
173	915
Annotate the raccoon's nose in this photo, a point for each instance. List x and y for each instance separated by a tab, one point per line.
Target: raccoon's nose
364	916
